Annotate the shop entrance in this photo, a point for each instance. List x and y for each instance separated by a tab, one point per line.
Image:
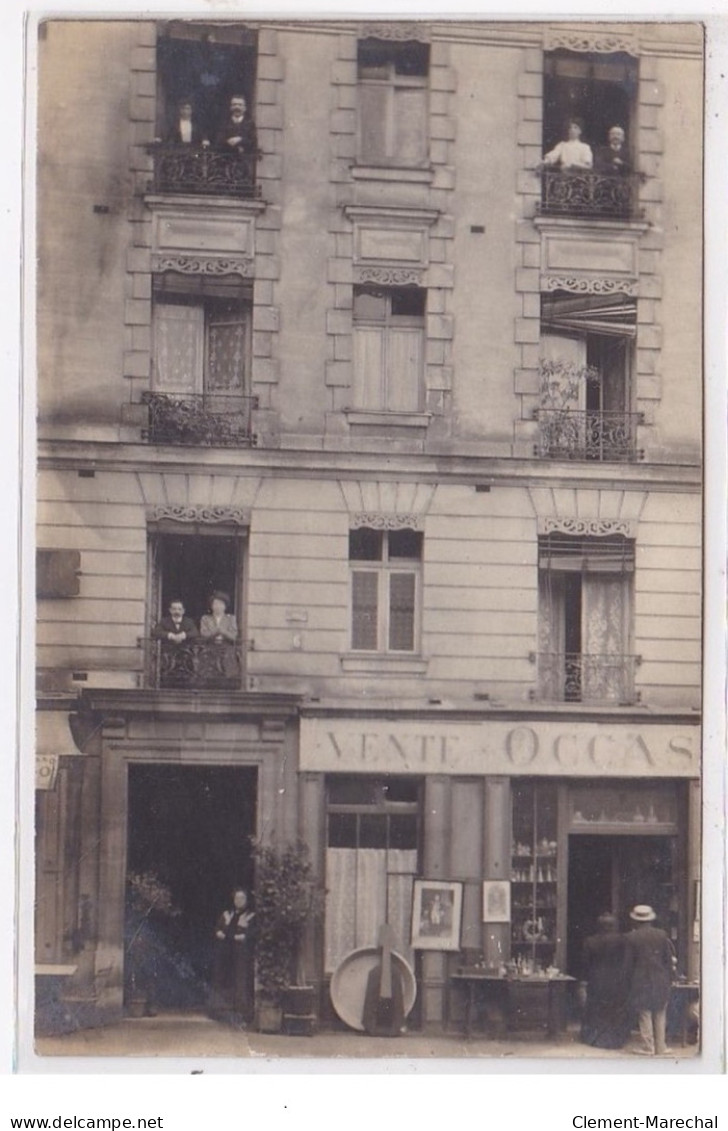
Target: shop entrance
189	831
613	873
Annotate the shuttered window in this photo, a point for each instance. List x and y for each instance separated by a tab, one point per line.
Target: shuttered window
393	109
389	338
385	589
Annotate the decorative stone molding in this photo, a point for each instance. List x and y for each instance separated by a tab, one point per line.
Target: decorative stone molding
590	40
209	515
378	521
577	284
396	31
203	265
587	527
389	276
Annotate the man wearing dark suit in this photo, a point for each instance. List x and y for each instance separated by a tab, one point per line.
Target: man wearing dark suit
649	964
237	134
175	628
184	130
613	159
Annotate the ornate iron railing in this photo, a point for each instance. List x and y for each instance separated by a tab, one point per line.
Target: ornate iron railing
590	434
213	420
573	193
580	677
188	169
195	664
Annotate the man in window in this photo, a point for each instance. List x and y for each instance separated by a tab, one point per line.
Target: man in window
175	628
613	158
237	134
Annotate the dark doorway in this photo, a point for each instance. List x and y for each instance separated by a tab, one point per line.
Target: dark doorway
613	873
191	827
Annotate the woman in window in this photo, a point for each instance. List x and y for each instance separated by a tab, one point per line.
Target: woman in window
572	153
220	629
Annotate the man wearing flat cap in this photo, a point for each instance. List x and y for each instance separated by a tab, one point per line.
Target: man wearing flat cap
649	963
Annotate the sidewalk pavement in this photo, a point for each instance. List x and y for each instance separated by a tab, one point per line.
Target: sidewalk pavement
193	1035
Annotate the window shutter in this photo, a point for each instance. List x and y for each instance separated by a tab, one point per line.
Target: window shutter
178	347
57	573
364	585
368	367
410	125
374	101
404	369
402	588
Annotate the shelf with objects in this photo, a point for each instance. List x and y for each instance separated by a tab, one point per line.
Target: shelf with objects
534	879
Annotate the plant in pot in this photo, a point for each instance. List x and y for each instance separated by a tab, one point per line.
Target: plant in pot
287	901
148	904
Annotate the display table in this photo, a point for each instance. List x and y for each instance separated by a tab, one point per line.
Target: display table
525	1004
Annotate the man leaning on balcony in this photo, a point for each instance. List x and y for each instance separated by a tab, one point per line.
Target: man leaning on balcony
175	628
237	133
572	153
613	159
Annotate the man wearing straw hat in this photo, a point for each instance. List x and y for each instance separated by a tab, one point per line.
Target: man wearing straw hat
649	965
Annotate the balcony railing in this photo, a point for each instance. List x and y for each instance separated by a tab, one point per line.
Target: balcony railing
194	664
209	172
212	420
574	193
574	434
580	677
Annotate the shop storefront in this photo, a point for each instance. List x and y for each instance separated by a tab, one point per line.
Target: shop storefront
554	820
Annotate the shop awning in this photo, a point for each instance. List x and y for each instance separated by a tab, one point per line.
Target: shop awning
53	740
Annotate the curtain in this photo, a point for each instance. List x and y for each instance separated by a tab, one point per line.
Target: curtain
603	619
402	612
226	353
566	393
551	635
179	330
366	887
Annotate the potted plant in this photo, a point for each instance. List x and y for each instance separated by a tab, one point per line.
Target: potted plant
287	901
148	900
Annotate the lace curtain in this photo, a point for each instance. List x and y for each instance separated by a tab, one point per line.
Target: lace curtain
366	887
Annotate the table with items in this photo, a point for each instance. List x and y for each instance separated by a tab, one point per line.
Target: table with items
520	1003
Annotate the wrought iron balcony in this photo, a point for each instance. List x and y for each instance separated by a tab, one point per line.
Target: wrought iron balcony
204	171
580	193
580	677
194	664
213	420
574	434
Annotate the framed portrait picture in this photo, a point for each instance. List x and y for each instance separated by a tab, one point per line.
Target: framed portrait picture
496	901
437	907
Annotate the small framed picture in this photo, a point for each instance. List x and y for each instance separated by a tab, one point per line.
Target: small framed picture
437	907
496	901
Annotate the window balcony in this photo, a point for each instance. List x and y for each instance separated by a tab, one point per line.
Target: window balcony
580	677
212	420
185	169
591	434
587	194
198	665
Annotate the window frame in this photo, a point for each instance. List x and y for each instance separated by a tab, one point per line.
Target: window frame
384	569
386	325
391	82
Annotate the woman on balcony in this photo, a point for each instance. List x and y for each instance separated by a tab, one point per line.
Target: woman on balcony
573	154
219	628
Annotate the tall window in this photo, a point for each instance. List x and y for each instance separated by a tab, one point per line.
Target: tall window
599	90
392	81
585	612
386	572
372	853
586	361
389	348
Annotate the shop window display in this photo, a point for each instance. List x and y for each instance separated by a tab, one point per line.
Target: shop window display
534	878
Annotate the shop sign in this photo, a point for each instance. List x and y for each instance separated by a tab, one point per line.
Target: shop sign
46	771
497	747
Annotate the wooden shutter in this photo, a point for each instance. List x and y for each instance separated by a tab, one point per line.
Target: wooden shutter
410	125
369	367
374	113
57	573
404	368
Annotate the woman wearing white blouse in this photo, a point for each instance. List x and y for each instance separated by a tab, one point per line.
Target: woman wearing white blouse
572	153
218	624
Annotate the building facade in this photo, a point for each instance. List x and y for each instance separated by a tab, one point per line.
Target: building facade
428	411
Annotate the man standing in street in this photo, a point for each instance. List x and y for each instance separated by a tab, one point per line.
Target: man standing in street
649	964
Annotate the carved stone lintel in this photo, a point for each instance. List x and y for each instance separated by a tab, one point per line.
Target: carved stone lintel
389	276
396	30
584	285
596	41
587	527
209	515
203	265
377	520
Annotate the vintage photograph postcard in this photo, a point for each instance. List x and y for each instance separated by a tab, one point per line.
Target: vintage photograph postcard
369	526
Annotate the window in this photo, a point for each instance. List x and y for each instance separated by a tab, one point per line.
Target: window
585	611
373	837
189	567
385	589
392	81
389	347
586	359
201	362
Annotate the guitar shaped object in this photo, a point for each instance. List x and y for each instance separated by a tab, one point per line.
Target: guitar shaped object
384	999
